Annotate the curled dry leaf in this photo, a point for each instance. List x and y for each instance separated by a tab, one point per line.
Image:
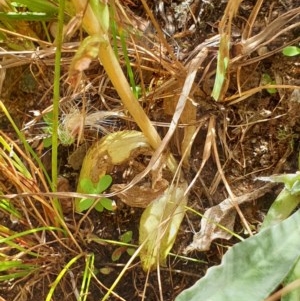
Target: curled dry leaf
140	196
223	214
113	149
88	51
159	225
218	221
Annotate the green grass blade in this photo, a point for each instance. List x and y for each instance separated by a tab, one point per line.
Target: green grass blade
24	142
39	6
128	65
221	81
87	276
17	247
60	276
25	16
7	206
56	98
15	160
28	232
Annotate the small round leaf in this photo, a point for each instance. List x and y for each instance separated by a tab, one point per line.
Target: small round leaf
84	204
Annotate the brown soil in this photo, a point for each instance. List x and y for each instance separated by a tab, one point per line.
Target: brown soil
256	136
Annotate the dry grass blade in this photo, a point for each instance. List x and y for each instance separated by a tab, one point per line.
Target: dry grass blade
206	152
284	291
192	69
250	22
233	99
161	35
269	33
31	251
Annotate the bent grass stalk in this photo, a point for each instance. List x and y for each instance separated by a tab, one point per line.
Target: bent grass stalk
61	275
95	26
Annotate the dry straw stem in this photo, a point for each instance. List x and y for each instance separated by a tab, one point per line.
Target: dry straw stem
244	95
115	73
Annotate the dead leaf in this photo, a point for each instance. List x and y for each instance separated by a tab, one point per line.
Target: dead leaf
159	225
218	221
140	196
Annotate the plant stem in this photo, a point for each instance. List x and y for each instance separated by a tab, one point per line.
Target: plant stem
118	79
107	57
56	97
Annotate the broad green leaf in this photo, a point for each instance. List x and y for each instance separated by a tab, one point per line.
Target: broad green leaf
293	275
108	204
126	237
282	207
159	225
130	251
98	207
104	183
291	51
83	204
252	269
87	186
48	118
117	253
267	80
47	142
106	270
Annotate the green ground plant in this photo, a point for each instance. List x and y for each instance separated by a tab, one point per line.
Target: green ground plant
126	239
291	51
88	187
28	253
267	80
